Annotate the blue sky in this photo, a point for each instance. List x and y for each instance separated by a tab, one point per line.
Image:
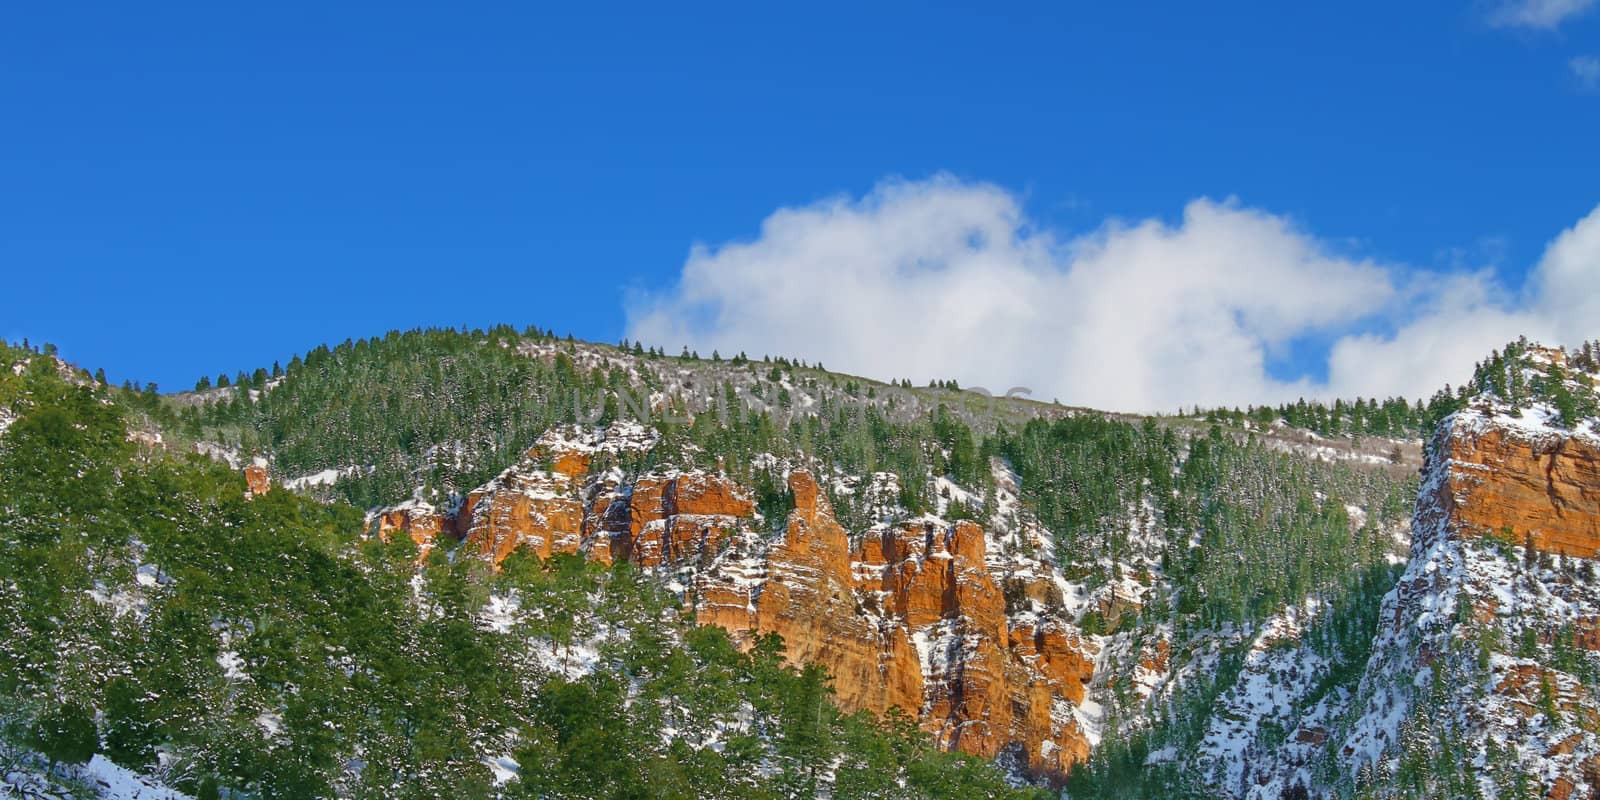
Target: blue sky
197	188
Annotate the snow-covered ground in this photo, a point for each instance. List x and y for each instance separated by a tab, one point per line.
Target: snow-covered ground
327	477
27	776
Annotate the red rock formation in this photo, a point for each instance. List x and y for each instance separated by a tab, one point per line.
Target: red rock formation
1494	473
866	613
256	480
805	594
910	617
1526	686
653	521
571	463
1502	482
528	506
419	521
538	510
1155	659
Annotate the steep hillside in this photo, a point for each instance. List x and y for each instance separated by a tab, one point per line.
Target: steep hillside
1109	546
1484	674
1213	605
158	612
965	629
1476	676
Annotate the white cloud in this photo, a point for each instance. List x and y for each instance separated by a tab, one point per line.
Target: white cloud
1542	14
949	279
1587	70
1461	318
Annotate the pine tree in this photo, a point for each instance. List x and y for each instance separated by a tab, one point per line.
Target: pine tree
66	735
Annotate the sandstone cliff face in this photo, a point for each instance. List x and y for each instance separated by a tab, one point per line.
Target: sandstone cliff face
802	589
673	519
533	508
1516	483
550	504
421	521
913	615
653	521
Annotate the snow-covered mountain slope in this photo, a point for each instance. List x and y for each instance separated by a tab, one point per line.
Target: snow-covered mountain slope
961	615
1484	670
1122	606
1480	678
1476	676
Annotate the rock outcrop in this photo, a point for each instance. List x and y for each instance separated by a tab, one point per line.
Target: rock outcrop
421	521
256	480
802	589
541	510
1520	483
1489	632
653	521
911	615
550	504
668	519
911	618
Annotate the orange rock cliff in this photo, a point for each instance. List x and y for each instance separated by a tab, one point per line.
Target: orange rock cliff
1507	482
909	616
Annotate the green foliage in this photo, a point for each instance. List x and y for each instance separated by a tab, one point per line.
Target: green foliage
66	734
1510	375
439	408
1271	528
447	410
1393	418
349	650
268	649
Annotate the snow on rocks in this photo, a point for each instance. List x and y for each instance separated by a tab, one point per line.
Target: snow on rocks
1263	704
119	783
1468	640
503	767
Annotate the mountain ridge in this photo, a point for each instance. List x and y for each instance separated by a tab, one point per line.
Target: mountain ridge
1117	605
